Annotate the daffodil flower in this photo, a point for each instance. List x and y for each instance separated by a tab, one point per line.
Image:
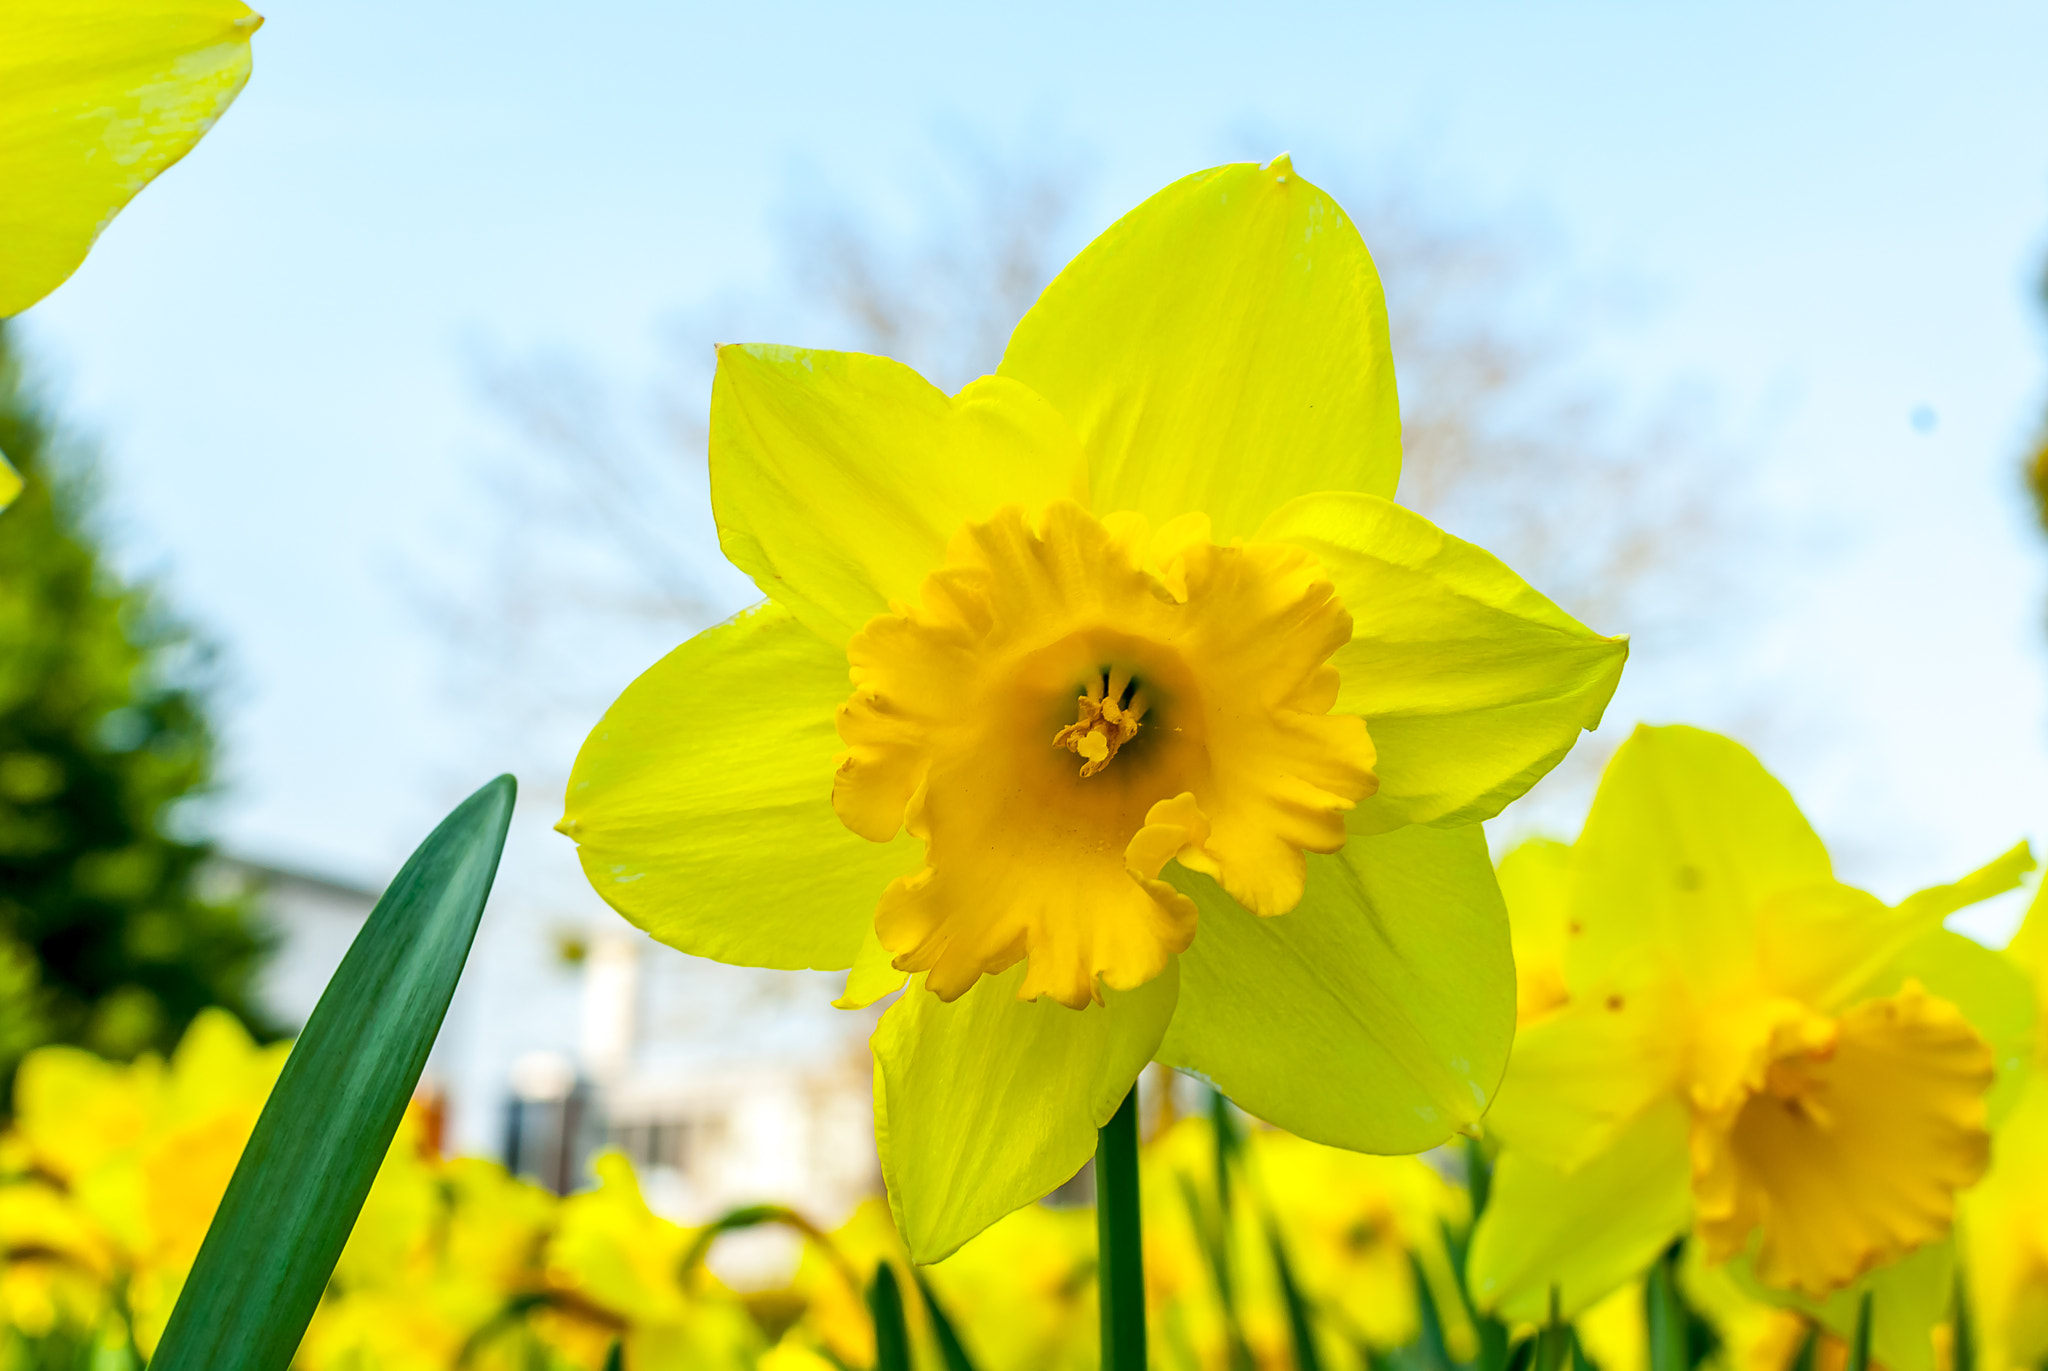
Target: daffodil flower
1734	1044
2004	1223
1114	701
96	98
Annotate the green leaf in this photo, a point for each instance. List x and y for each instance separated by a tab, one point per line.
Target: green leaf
1121	1252
1963	1351
951	1350
330	1120
1667	1315
1299	1327
892	1334
1553	1343
1807	1357
1859	1348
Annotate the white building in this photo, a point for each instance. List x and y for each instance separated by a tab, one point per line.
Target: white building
726	1086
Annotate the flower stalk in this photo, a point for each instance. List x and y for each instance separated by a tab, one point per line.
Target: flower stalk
1121	1249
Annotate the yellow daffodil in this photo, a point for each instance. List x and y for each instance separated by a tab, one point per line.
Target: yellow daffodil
616	1270
2004	1223
96	98
1068	684
146	1149
1737	1045
442	1263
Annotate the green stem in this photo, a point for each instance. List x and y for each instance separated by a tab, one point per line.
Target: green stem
1121	1255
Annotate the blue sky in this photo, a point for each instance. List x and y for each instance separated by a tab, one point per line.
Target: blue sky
1839	212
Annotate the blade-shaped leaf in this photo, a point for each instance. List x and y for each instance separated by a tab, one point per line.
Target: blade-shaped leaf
1859	1349
327	1125
1300	1322
892	1333
951	1350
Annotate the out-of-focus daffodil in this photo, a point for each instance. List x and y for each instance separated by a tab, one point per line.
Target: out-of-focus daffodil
618	1271
1358	1230
1023	1294
145	1150
1141	654
2004	1224
830	1285
1745	1048
96	98
1355	1230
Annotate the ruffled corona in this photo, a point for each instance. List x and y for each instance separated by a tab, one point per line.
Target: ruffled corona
1844	1140
1074	705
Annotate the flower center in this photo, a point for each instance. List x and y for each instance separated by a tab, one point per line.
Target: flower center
1112	705
1220	654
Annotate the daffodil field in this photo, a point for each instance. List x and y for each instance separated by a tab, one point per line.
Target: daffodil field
1109	718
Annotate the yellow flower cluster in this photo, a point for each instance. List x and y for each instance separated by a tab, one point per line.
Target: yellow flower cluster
112	1173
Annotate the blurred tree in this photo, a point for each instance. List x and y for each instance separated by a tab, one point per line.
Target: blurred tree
106	939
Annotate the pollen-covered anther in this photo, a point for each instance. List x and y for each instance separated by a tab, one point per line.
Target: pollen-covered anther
1111	709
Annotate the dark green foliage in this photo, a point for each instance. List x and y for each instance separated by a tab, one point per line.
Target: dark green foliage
106	940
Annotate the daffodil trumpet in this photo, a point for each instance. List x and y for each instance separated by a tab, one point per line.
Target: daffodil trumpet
1721	1041
1111	705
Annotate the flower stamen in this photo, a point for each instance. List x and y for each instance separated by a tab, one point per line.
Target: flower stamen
1111	708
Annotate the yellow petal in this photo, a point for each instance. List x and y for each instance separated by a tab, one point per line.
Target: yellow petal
1822	944
1377	1014
1688	838
96	98
10	482
1990	992
837	478
1534	881
1584	1232
872	975
1221	349
701	809
1583	1075
1853	1154
2004	1228
2028	950
1910	1303
1472	684
987	1103
78	1112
